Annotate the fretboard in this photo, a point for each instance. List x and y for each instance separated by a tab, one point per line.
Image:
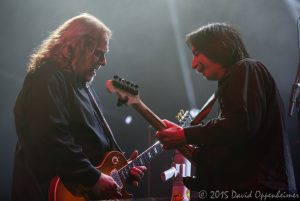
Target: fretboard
142	160
158	124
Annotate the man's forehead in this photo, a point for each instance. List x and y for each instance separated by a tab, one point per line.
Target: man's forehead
103	45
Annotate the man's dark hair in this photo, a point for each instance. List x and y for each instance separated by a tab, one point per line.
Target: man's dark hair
220	42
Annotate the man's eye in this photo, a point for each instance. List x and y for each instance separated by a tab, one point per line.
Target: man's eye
98	53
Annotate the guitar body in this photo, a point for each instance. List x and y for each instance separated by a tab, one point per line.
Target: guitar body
58	191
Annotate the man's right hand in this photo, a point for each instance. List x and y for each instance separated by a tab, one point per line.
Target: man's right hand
106	188
171	137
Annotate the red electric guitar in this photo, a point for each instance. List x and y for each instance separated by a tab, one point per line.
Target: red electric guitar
113	164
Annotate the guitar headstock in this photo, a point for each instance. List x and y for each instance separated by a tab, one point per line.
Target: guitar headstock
127	91
184	118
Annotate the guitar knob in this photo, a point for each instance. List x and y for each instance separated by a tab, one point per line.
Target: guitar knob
178	116
181	112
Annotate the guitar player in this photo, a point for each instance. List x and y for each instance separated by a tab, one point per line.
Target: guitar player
59	121
245	148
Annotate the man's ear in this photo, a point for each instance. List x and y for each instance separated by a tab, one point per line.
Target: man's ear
67	51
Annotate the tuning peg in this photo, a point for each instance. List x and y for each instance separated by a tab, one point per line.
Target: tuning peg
125	85
121	102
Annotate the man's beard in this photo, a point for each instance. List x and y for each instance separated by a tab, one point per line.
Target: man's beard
89	83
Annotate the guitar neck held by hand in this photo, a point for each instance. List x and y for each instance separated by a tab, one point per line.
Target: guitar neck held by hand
128	92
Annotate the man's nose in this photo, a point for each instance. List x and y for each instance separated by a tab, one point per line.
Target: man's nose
194	63
102	61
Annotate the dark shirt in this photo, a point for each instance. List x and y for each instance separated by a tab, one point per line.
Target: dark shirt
60	132
246	147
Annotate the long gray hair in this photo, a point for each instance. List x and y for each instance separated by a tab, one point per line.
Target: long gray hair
83	28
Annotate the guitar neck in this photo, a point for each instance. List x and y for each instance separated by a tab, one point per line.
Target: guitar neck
152	118
159	125
142	160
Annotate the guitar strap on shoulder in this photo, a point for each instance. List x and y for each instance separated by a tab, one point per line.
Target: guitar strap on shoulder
205	110
192	183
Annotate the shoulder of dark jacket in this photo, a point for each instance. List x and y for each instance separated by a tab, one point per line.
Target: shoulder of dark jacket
240	66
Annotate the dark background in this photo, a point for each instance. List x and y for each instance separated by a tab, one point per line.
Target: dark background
148	48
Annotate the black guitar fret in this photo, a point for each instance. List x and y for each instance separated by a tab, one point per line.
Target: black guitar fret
143	159
140	161
124	175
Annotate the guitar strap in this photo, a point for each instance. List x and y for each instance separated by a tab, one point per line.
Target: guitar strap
192	183
104	123
205	110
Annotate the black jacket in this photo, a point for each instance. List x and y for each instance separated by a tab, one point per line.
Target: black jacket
60	132
246	147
